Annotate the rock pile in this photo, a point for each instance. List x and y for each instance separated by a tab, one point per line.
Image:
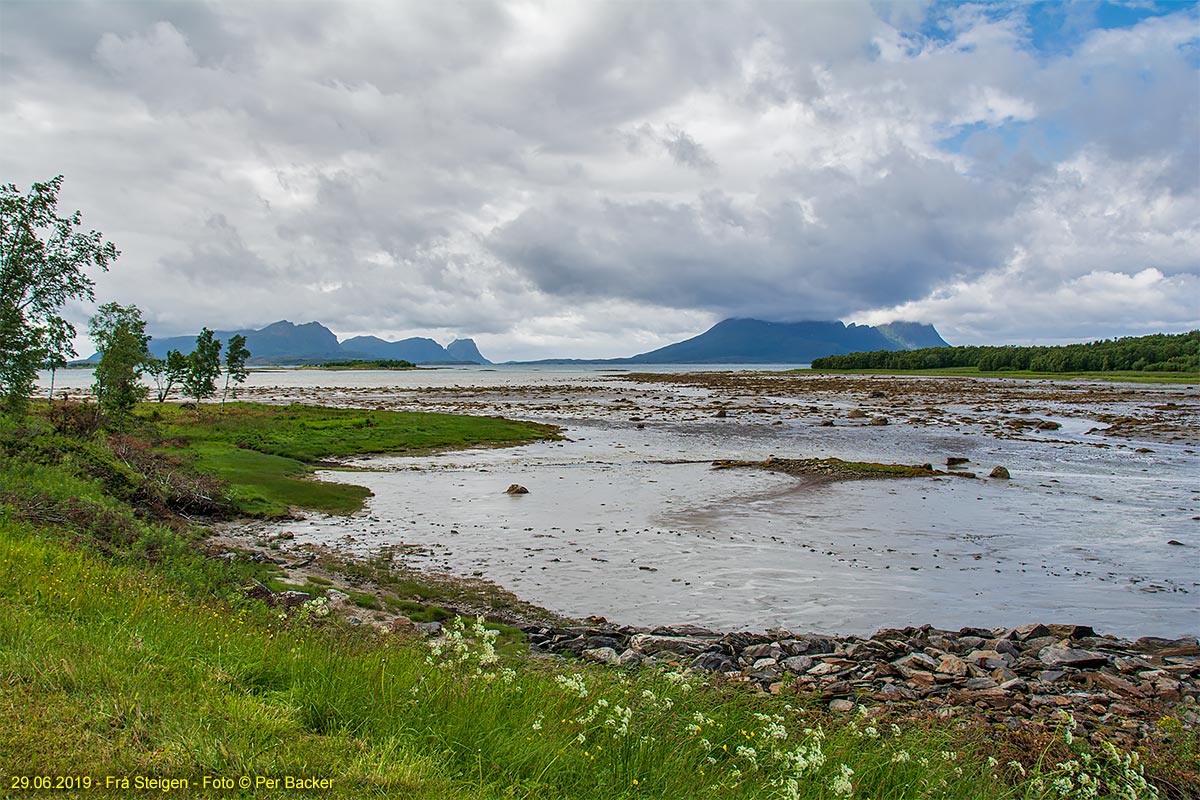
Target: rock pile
1013	675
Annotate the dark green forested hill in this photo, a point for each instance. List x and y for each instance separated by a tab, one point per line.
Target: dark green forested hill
1158	352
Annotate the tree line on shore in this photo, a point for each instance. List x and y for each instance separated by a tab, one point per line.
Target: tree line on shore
44	258
1158	352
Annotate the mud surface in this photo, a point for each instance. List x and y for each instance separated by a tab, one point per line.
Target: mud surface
1098	525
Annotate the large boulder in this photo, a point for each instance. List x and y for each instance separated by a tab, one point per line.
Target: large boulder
649	644
714	662
1063	655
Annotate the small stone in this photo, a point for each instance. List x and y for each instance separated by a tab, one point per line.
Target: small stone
1175	542
879	421
293	599
714	662
841	706
954	461
916	661
990	659
999	472
953	665
516	488
605	655
1033	631
756	651
1038	643
1118	686
824	668
922	680
1072	631
257	591
1187	646
1003	675
797	664
630	657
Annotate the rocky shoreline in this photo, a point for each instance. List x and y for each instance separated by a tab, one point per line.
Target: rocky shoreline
1022	678
1025	677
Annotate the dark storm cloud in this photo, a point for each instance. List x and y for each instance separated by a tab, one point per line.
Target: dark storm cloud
858	243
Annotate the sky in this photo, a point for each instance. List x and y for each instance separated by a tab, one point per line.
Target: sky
597	179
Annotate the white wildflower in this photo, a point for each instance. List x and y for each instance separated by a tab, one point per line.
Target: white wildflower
841	784
573	683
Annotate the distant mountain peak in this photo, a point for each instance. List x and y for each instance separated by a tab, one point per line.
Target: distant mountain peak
756	341
465	350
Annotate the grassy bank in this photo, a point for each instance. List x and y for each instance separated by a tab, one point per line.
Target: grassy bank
389	364
1125	376
266	453
125	652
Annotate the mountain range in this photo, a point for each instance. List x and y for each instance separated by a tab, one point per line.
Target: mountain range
753	341
731	341
284	342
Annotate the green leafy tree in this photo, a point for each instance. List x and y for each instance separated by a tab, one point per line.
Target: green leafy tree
43	258
167	373
235	364
55	355
120	335
204	367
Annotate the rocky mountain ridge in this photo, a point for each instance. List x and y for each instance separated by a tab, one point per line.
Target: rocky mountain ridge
286	343
756	341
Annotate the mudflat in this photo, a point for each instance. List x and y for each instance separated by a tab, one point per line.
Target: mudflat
1095	524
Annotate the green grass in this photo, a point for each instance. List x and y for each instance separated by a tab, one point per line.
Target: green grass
124	651
110	670
265	453
267	485
974	372
312	433
835	468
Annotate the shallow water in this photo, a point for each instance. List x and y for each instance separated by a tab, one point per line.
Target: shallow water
623	522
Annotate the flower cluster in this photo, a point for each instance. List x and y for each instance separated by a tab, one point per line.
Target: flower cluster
573	683
462	646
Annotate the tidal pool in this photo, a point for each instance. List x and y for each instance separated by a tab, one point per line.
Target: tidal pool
634	525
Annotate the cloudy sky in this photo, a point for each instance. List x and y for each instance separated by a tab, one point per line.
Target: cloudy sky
599	179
